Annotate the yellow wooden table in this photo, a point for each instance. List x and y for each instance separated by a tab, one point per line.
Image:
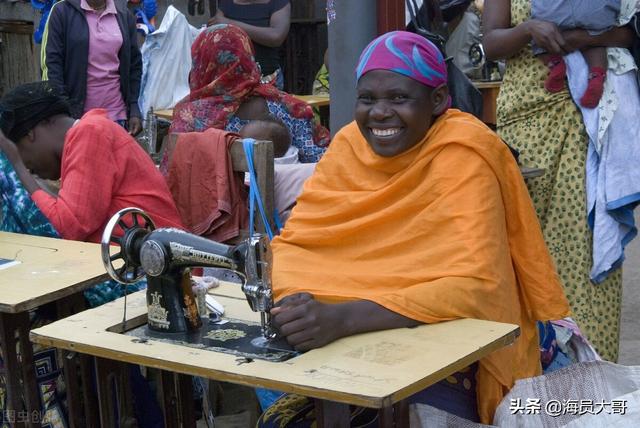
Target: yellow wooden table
45	270
376	370
314	100
164	114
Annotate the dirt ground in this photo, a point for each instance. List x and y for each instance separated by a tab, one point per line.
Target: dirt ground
630	329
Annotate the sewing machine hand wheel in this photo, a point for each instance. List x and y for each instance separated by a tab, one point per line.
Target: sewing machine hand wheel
130	220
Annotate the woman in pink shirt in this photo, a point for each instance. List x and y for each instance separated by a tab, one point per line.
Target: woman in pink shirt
90	51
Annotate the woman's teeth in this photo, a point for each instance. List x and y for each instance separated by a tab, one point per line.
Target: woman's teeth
385	132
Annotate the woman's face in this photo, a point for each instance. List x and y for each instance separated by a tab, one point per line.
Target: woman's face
37	151
395	112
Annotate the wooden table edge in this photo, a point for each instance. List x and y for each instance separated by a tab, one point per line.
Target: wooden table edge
53	296
248	380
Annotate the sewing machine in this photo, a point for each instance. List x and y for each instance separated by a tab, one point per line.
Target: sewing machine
166	256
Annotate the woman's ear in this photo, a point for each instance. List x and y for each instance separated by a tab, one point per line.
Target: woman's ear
440	99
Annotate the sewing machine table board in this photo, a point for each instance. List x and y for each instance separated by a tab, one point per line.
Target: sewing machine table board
40	271
373	370
48	269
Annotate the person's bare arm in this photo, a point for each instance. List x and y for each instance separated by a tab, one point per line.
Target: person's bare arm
500	40
308	324
620	37
273	36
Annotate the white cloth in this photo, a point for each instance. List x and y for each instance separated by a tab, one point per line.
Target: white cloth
290	157
166	62
613	157
288	181
594	382
576	389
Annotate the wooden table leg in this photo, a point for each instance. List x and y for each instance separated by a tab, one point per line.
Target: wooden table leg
90	402
396	416
78	372
401	414
20	377
73	386
187	410
167	387
332	414
105	379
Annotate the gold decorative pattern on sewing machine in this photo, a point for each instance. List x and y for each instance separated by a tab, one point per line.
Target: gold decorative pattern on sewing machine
224	335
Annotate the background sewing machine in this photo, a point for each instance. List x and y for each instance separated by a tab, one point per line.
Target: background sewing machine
488	70
166	257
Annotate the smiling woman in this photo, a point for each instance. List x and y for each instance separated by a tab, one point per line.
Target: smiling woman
395	112
417	213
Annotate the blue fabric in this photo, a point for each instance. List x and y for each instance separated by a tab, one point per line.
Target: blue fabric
267	397
18	212
44	7
301	131
612	173
592	15
150	8
280	79
551	356
141	19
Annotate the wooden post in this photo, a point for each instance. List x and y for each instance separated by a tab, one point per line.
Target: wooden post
391	15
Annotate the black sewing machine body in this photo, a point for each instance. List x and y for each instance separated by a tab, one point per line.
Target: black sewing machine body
166	256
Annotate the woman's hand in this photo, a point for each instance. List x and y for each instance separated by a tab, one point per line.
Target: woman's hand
548	36
219	18
135	125
307	323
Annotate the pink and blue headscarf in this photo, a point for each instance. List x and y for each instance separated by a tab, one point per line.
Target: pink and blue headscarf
405	53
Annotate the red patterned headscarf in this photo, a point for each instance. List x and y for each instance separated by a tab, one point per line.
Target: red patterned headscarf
223	75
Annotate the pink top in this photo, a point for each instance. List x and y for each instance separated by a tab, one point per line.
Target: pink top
103	74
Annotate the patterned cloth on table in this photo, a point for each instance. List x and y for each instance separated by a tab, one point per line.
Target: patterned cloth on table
224	74
549	133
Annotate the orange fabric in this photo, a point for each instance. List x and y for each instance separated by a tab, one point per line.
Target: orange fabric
445	230
210	196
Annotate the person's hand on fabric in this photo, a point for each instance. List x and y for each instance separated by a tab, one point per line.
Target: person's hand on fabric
307	323
219	18
548	36
10	150
135	125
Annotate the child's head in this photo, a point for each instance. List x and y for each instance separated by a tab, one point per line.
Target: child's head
269	128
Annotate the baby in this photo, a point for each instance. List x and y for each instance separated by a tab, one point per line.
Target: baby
269	128
595	16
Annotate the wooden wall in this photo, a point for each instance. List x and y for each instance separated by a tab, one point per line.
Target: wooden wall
18	55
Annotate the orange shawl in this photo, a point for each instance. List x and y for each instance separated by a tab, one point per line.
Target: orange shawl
445	230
